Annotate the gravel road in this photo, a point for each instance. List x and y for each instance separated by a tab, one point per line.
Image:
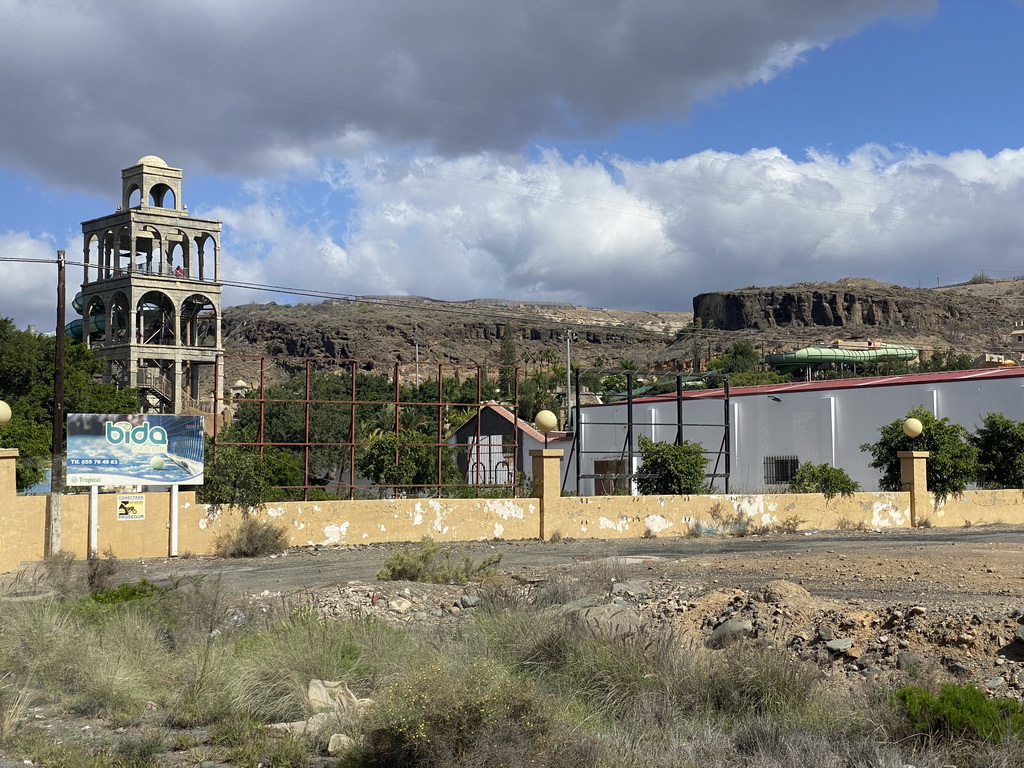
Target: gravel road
979	565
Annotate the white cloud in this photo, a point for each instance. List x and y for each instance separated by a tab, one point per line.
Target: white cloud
29	279
648	234
616	233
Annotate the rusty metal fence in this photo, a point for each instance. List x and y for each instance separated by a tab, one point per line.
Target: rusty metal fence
339	428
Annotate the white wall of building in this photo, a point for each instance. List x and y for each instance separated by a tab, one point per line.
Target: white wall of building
813	422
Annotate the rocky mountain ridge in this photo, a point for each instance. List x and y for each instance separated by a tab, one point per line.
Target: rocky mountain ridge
971	318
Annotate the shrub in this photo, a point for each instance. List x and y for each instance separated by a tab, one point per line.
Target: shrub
430	563
824	479
253	538
128	592
671	469
468	714
271	670
100	572
962	712
1000	444
952	463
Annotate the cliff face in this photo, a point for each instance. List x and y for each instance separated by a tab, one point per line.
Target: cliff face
798	306
444	332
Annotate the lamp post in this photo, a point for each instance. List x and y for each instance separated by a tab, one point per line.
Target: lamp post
914	471
545	421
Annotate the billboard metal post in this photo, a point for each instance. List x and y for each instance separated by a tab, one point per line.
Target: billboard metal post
172	550
94	521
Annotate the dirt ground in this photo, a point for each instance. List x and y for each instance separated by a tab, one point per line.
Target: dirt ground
982	567
860	604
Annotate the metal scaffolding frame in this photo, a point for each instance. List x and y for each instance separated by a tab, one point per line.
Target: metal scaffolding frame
578	450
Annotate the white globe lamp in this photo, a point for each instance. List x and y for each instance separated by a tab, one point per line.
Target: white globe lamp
912	427
5	413
545	421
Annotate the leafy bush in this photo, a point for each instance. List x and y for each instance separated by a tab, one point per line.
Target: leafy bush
128	592
671	469
952	463
430	563
1000	444
962	712
822	478
233	477
253	538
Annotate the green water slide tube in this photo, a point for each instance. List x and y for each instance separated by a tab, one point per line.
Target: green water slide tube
787	362
98	324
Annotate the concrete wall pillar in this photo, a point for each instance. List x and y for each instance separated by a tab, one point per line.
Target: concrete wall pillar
8	468
547	486
914	479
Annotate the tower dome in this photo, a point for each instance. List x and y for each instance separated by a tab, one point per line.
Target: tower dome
151	160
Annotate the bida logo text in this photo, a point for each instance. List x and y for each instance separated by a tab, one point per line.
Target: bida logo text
142	438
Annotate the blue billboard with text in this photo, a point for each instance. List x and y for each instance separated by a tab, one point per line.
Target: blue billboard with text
134	449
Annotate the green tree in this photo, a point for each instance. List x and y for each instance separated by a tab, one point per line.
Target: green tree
26	384
946	360
952	460
739	358
752	378
822	478
535	395
242	476
671	469
1000	444
406	458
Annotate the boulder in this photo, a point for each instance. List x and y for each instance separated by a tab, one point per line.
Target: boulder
729	632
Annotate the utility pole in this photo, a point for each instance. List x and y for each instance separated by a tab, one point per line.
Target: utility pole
53	522
570	336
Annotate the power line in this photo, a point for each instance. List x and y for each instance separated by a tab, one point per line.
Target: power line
442	307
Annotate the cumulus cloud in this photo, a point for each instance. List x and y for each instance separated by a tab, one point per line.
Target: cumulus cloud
27	290
651	234
258	89
614	232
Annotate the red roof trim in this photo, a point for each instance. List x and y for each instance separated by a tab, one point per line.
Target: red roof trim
525	426
940	377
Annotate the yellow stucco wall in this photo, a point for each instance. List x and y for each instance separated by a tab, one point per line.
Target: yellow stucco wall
22	519
22	524
608	517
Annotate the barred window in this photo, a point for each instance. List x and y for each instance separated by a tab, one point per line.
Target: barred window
779	470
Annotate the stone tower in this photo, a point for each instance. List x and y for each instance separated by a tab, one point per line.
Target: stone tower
151	291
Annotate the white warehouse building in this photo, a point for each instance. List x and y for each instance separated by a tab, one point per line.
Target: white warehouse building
765	431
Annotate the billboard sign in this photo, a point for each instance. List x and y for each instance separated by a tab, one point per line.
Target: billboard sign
134	449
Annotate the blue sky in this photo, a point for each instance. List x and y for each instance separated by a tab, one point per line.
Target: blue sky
619	153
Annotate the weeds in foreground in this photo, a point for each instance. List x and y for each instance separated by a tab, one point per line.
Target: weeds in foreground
39	747
100	572
13	704
844	523
431	563
522	684
478	714
252	538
